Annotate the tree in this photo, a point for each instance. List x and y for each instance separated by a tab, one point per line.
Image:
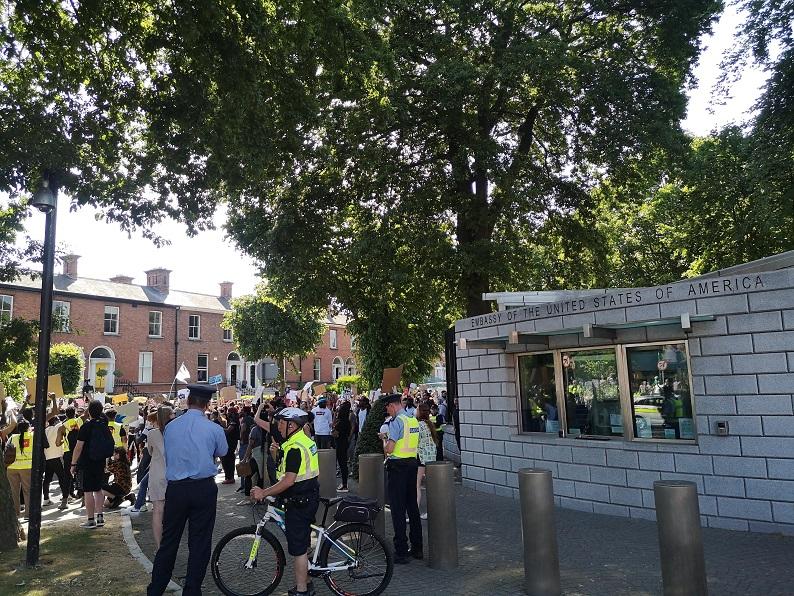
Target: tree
266	328
67	360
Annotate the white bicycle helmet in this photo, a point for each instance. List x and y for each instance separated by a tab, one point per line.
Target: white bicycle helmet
292	415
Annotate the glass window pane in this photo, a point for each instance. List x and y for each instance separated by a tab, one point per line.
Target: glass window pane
592	396
539	413
661	400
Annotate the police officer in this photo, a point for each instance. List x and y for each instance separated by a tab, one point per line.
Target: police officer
191	445
402	442
298	484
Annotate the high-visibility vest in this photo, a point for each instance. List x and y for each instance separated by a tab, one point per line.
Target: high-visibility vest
407	445
116	428
71	424
678	407
24	459
439	427
310	460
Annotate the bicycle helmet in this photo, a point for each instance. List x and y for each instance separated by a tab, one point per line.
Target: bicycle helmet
291	415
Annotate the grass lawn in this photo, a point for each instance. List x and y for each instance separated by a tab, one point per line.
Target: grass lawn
75	561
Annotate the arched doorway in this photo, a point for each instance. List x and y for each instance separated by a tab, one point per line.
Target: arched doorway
102	358
337	368
350	367
234	369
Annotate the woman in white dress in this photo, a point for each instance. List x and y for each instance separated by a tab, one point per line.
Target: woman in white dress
157	481
428	441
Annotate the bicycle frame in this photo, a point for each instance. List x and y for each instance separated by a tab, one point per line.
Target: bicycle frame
277	515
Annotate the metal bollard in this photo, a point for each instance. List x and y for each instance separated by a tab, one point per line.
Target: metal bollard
680	538
442	526
327	473
541	558
370	484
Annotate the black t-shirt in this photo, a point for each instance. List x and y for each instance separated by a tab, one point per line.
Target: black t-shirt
293	464
246	427
85	435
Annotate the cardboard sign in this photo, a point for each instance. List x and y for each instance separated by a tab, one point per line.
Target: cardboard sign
54	385
227	394
318	390
121	398
391	379
128	412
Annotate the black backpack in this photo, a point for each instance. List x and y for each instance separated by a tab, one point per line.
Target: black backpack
101	445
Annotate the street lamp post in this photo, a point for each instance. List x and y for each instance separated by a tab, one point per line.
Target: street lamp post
45	200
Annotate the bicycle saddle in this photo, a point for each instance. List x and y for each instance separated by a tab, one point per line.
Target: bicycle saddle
328	502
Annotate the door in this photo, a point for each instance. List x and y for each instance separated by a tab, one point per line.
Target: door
100	382
252	376
233	375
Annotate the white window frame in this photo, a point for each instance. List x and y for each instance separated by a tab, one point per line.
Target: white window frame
204	369
143	368
337	365
65	324
10	310
333	340
159	323
191	327
317	368
350	367
227	335
106	320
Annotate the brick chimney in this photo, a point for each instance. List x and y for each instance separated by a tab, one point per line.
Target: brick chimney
122	279
158	279
70	266
226	290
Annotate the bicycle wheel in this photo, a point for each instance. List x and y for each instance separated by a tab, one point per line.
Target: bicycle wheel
374	563
231	554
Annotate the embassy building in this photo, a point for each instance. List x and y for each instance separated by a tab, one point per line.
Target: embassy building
614	389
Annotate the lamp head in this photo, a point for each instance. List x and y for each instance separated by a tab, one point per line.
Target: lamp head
44	199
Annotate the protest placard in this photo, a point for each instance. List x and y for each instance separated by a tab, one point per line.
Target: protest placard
54	385
391	379
227	394
121	398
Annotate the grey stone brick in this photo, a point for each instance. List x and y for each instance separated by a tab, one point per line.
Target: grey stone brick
549	324
472	444
744	508
791	361
625	496
594	492
771	383
614	476
484	460
783	512
574	472
564	488
622	459
555	453
493	361
493	418
731	385
463	376
649	312
716	405
466	430
767	528
616	510
754	322
576	504
665	332
502	404
781	426
469	363
764	404
510	420
493	447
707	505
589	455
773	342
725	523
533	451
657	461
501	375
471	417
759	363
693	464
466	458
490	389
512	481
727	344
772	300
711	365
478	376
673	309
782	469
481	431
723	305
615	315
465	403
713	445
788	319
519	463
473	472
724	486
744	425
694	347
719	326
642	478
648	499
469	390
774	490
496	477
525	326
500	462
768	446
699	386
697	479
578	319
510	390
514	449
642	513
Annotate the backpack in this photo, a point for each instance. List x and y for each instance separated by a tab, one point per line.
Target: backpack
101	445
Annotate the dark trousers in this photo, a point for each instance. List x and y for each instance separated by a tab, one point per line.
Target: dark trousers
341	458
440	448
227	461
402	499
323	441
67	469
190	502
54	467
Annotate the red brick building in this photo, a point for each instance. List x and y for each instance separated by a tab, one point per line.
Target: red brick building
145	333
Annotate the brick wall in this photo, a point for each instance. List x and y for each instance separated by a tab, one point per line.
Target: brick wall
326	355
742	366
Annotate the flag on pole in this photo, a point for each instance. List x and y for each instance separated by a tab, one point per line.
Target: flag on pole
183	374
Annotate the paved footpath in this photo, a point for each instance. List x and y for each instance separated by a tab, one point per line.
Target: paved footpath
599	555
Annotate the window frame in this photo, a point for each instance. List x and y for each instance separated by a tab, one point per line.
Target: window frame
142	368
197	327
205	368
105	320
230	339
624	391
159	323
66	323
333	339
10	310
317	368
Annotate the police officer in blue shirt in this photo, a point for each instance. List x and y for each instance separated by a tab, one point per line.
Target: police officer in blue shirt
191	445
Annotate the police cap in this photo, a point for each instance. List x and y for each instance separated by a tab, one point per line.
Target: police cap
390	398
201	392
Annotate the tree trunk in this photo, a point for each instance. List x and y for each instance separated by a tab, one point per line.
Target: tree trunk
10	530
474	231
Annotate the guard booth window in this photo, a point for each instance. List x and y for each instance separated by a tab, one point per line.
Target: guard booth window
539	412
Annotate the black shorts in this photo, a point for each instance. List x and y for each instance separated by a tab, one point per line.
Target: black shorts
93	476
115	490
298	520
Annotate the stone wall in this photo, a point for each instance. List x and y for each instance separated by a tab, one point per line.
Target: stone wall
742	366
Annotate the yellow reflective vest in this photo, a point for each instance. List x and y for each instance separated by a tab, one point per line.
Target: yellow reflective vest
310	460
24	459
115	427
407	445
68	426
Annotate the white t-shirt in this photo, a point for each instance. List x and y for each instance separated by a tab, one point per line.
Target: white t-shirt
53	452
362	417
322	421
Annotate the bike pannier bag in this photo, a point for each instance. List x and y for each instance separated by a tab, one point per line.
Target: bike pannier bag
353	509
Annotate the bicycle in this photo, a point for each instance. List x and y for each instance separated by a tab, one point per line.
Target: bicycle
346	554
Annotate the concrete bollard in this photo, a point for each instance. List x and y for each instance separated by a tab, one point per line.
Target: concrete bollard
370	485
541	557
328	476
442	525
680	538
